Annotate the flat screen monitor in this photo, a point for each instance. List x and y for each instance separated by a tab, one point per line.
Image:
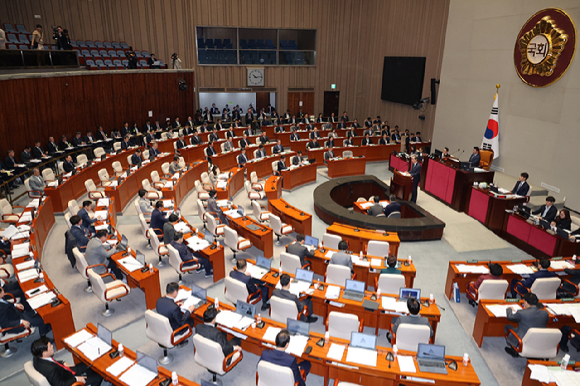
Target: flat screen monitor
147	362
403	78
406	293
361	340
354	285
309	240
297	327
198	292
245	309
263	262
140	257
104	334
304	275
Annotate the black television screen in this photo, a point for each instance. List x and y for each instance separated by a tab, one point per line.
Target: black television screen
403	79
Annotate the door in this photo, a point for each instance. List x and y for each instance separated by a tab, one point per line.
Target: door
331	99
293	102
304	100
262	100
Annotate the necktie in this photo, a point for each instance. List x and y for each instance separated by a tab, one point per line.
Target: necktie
64	367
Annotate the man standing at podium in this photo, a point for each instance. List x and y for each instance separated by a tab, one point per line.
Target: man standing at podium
415	172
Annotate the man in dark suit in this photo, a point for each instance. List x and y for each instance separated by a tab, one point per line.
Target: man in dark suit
296	160
59	373
64	143
313	144
16	314
10	162
548	212
395	136
180	143
89	138
249	117
101	135
532	316
384	140
376	209
314	134
52	146
285	293
87	221
393	206
297	248
244	141
475	158
37	151
261	152
147	126
249	131
80	234
136	158
196	139
344	117
281	358
524	286
366	140
416	174
209	150
157	217
167	307
230	133
78	140
169	228
264	138
26	156
279	128
208	330
68	165
355	124
150	137
281	165
218	125
187	256
125	130
252	284
242	158
214	135
126	143
204	128
522	188
348	142
278	148
329	154
414	317
154	151
341	124
294	136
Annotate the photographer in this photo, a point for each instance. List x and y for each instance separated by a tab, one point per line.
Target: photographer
176	61
132	58
62	39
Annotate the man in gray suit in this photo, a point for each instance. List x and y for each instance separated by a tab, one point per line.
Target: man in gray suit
99	252
168	228
174	166
341	257
145	205
212	206
376	209
36	182
533	315
285	293
297	248
413	318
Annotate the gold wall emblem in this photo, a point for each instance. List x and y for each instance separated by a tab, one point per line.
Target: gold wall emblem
540	48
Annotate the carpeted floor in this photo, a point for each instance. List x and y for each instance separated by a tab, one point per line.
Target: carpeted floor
464	239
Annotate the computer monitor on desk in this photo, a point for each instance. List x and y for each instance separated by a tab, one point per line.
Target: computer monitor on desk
358	339
406	293
104	334
296	327
304	275
208	236
262	262
198	292
245	309
438	153
147	362
312	241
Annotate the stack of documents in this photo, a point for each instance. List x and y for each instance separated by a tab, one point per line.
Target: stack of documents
356	260
521	269
362	356
366	205
121	365
566	309
233	213
500	310
101	214
561	264
271	334
406	364
222	203
175	176
197	244
255	271
332	292
336	351
222	185
233	320
130	263
52	184
103	227
25	265
38	290
114	184
297	345
187	298
27	275
466	268
19	250
182	227
26	216
78	338
21	235
168	185
33	203
554	374
103	202
94	348
138	376
41	300
391	304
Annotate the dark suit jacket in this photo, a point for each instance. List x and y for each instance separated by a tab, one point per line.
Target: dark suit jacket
366	141
314	134
9	163
168	308
54	374
196	140
312	145
212	333
550	216
522	190
10	316
348	142
244	142
88	139
157	219
282	358
37	152
261	153
248	280
25	157
184	252
136	159
77	141
384	141
281	166
87	222
210	151
285	294
415	172
100	135
328	155
249	132
563	224
213	137
341	125
230	134
80	235
68	166
537	275
374	210
154	152
531	317
294	137
392	207
63	145
180	144
264	139
277	149
125	145
474	160
242	159
301	251
52	148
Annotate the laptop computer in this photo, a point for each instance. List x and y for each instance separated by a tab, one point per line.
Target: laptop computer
358	339
207	236
303	275
245	309
122	246
199	293
264	263
431	358
147	362
438	153
354	290
104	334
241	211
296	327
524	210
140	257
103	157
406	293
312	241
545	224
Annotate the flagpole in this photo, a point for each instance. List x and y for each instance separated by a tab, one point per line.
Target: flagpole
497	86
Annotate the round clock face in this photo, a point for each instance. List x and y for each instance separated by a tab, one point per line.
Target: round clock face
256	77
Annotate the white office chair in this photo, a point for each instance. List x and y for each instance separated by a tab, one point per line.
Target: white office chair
331	241
99	152
165	169
94	192
117	146
207	185
409	336
223	147
67	217
236	290
337	274
269	374
6	271
145	154
259	214
163	136
7	336
488	290
35	378
274	167
130	161
340	324
117	168
201	212
253	194
395	214
107	292
7	211
83	267
48	175
279	228
256	152
73	207
104	177
283	309
159	330
146	215
205	152
545	288
202	194
214	225
32	193
152	193
159	248
144	229
179	265
290	263
378	248
390	283
538	343
158	183
60	167
181	162
209	354
82	160
235	242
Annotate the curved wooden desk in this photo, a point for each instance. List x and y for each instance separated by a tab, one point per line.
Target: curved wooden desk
489	209
300	220
263	166
298	176
359	238
346	167
273	187
234	185
184	184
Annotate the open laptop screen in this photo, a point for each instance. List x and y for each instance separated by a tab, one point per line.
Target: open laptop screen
198	292
124	241
297	327
430	351
309	240
140	257
406	293
146	361
262	262
304	275
245	309
361	340
208	237
104	334
354	285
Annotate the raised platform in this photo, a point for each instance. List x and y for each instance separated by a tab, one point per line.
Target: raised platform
333	199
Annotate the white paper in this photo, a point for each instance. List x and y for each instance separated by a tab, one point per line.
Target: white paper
182	227
10	231
564	378
52	184
336	351
255	271
366	205
94	348
27	275
296	288
297	345
271	334
329	254
222	203
244	323
25	265
391	304
21	235
168	185
376	263
103	202
130	263
228	318
41	300
121	365
26	216
114	184
406	364
332	292
222	185
362	356
101	214
468	268
539	373
500	310
137	376
520	269
562	264
37	290
78	338
196	244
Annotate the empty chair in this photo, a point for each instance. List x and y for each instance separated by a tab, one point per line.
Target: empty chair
331	241
488	290
253	194
279	227
67	217
144	228
202	194
7	211
409	336
538	343
83	267
157	182
214	225
11	38
48	175
337	274
340	325
159	330
22	29
99	152
151	194
209	354
23	39
94	192
107	292
283	309
378	248
117	168
179	265
389	283
201	212
235	242
73	207
259	214
159	249
269	374
256	183
236	290
117	146
104	177
82	160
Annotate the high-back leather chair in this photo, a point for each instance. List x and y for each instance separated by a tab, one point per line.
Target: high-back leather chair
390	283
378	248
269	374
93	191
159	249
236	290
409	336
107	292
279	228
259	214
7	211
538	343
73	207
283	309
331	241
340	324
35	378
337	274
289	262
234	242
486	159
99	152
179	265
209	354
159	330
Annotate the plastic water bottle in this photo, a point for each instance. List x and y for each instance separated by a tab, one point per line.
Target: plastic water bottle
217	303
431	299
395	350
174	379
378	294
564	363
361	255
574	259
456	295
120	349
151	267
409	260
326	337
259	318
466	359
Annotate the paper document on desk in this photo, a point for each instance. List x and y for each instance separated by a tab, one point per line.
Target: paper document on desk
103	202
26	216
27	275
329	254
102	227
25	265
520	269
182	227
503	191
121	365
500	310
562	264
356	260
52	184
391	304
137	376
332	292
467	268
94	348
244	323
130	263
406	364
255	271
222	185
362	356
564	378
233	213
196	244
297	345
228	318
38	290
376	263
78	338
168	185
271	334
114	184
41	300
336	351
222	203
366	205
21	247
539	373
101	214
296	287
21	235
9	232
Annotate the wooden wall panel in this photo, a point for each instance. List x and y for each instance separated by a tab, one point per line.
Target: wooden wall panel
353	38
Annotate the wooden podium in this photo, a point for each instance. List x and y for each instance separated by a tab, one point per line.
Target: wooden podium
401	185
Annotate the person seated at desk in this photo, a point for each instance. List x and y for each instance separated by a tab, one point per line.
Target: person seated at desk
196	139
533	315
174	166
101	135
263	138
330	141
68	165
314	134
294	136
261	152
126	143
280	357
204	128
208	330
52	146
351	133
78	140
228	145
341	125
522	188
213	208
176	123
495	272
568	335
542	272
89	138
320	119
332	118
37	152
213	136
391	266
180	143
253	285
279	128
99	251
367	140
237	124
249	131
136	158
309	127
167	307
278	148
547	212
244	142
348	142
376	208
169	228
230	133
16	314
80	233
395	136
297	248
369	122
213	174
59	372
281	165
297	160
285	293
242	158
87	222
154	151
26	156
355	124
158	218
329	154
126	130
115	133
191	258
145	206
341	257
563	220
313	144
384	139
414	307
36	182
475	158
416	137
218	126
